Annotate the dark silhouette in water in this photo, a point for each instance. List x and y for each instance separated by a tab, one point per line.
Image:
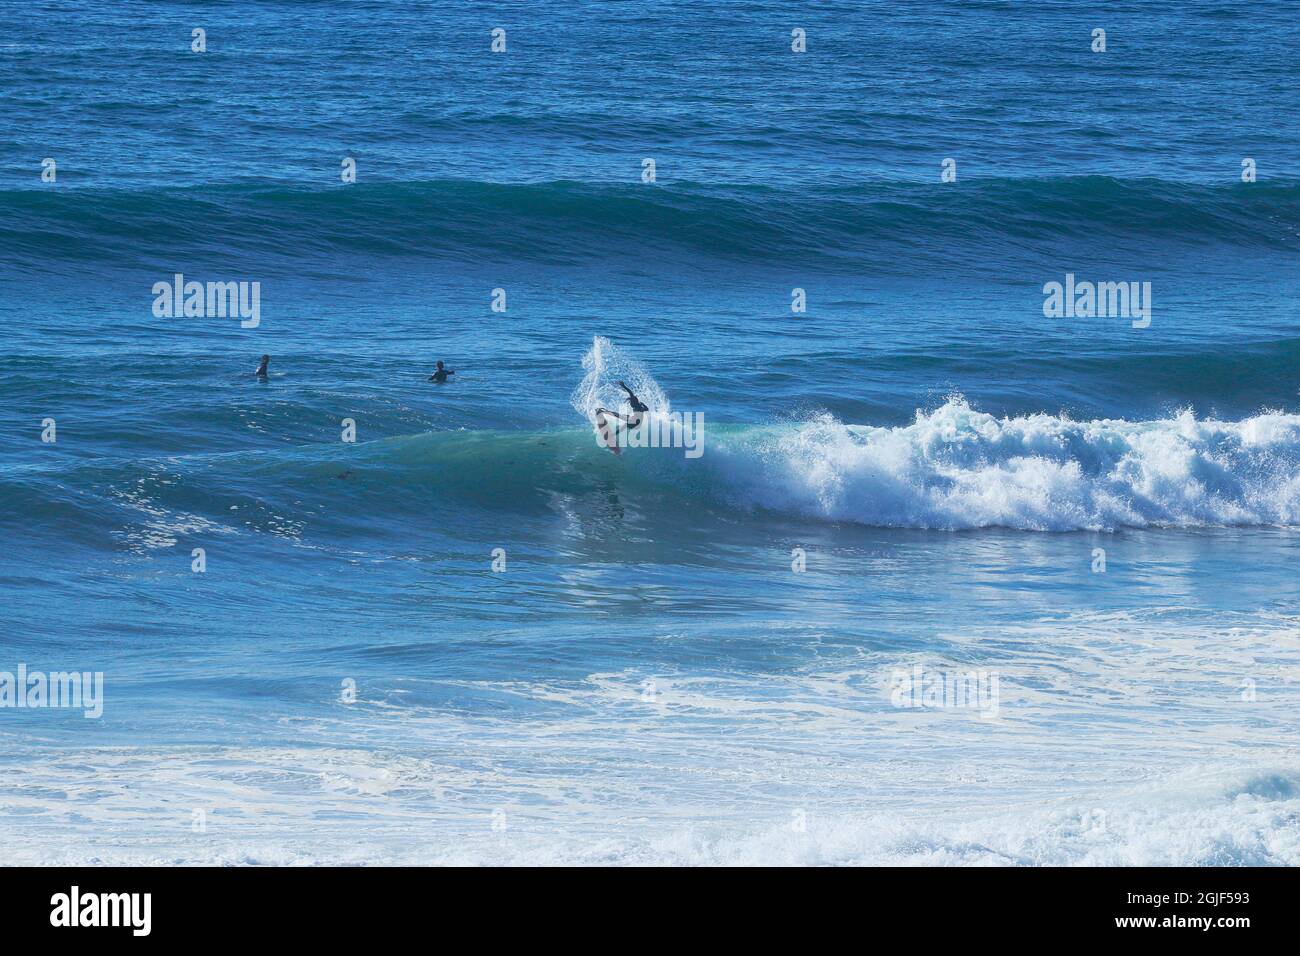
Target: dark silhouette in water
441	374
261	368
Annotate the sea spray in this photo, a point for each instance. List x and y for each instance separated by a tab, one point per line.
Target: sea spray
604	366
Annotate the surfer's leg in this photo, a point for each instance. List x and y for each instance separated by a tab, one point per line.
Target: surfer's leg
604	432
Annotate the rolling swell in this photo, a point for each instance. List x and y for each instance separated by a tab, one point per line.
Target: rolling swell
567	222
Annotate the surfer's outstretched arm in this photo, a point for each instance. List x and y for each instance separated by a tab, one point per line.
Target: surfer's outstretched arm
637	404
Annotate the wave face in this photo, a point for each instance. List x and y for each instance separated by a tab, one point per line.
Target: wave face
562	222
953	468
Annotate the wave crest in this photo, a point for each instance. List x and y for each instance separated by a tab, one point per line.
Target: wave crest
956	468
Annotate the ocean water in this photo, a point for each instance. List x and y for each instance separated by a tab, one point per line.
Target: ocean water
473	635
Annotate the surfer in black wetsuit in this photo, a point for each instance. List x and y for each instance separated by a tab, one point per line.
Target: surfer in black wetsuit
639	408
441	374
261	368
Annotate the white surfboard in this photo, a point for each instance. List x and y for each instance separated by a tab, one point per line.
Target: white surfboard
606	434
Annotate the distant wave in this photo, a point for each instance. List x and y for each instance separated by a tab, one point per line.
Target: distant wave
569	222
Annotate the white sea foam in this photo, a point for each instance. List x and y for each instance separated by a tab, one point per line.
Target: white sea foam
956	467
1121	740
1204	816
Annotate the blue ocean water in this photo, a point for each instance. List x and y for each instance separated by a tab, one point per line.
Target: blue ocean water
472	635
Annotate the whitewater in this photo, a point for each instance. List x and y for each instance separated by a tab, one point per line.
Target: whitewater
958	468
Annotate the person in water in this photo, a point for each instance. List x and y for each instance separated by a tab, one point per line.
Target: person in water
607	436
441	374
261	368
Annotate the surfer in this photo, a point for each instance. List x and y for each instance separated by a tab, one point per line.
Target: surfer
441	374
607	437
261	368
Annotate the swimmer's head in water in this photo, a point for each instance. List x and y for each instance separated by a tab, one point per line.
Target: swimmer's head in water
438	364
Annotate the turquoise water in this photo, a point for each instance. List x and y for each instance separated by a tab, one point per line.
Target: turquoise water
472	634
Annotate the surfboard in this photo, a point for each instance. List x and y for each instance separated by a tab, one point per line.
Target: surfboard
606	435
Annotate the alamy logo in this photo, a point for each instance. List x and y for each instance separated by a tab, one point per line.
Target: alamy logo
84	691
1115	300
945	690
103	909
211	300
666	430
